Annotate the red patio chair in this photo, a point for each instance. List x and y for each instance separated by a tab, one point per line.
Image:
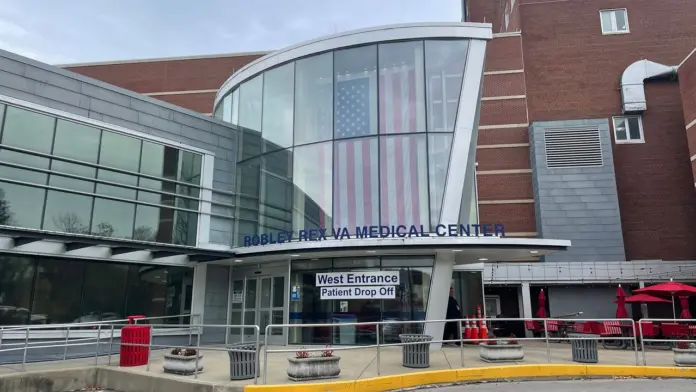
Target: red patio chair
533	326
583	328
610	328
552	325
675	330
648	328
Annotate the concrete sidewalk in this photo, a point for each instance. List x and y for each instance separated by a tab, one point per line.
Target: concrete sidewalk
359	363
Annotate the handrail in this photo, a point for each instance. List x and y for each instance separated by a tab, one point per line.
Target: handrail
103	332
643	340
461	340
149	346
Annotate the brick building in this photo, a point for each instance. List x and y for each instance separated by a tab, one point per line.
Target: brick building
585	133
553	96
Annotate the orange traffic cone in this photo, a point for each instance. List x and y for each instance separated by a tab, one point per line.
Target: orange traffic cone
474	333
467	329
484	330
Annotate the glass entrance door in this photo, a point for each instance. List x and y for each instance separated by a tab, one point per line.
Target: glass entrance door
258	301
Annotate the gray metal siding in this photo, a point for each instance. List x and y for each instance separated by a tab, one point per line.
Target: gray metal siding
56	88
577	204
216	296
593	301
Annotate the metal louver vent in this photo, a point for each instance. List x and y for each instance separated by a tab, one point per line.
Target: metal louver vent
573	147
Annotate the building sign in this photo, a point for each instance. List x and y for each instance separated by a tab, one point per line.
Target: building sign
357	285
401	231
359	292
236	297
357	278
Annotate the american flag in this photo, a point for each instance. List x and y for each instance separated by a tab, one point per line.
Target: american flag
356	185
403	161
403	182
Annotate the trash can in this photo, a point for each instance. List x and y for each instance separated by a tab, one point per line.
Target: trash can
584	350
135	334
244	360
416	355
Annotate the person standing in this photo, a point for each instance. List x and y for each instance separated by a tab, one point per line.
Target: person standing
453	313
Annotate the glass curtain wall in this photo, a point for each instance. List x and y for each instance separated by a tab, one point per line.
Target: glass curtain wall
409	304
362	135
65	176
42	290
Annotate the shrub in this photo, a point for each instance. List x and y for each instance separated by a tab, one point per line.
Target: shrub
683	345
327	353
184	352
302	353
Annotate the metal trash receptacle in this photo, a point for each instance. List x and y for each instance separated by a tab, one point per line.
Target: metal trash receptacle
244	360
584	350
416	355
135	341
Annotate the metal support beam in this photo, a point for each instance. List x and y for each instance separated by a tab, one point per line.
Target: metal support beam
19	241
71	246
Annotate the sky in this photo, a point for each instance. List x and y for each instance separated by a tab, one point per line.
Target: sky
78	31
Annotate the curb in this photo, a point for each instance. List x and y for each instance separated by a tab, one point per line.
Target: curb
492	373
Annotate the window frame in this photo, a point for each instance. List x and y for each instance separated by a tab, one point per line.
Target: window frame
628	140
613	20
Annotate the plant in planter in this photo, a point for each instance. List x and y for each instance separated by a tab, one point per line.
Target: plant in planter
304	367
501	350
183	361
685	354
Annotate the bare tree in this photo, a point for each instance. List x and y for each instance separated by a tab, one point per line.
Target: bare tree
103	229
70	222
5	212
144	233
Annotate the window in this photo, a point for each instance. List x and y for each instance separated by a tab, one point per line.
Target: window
314	99
628	130
614	21
444	70
492	306
277	121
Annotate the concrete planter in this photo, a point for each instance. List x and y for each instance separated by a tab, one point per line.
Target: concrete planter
501	352
313	368
182	365
684	357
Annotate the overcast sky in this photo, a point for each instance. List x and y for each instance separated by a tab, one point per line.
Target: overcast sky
70	31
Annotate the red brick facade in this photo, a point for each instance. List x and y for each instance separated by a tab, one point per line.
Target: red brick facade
204	75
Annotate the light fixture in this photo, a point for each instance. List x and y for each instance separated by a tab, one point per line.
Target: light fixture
483	259
294	255
533	252
456	250
237	260
371	251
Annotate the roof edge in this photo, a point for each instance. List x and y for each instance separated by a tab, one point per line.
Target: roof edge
107	86
350	38
161	59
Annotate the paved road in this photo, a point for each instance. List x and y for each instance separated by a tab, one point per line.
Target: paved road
577	386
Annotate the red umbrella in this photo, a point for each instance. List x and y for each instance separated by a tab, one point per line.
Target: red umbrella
672	288
541	312
685	313
645	298
621	311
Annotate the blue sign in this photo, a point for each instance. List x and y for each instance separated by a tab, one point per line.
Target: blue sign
400	231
